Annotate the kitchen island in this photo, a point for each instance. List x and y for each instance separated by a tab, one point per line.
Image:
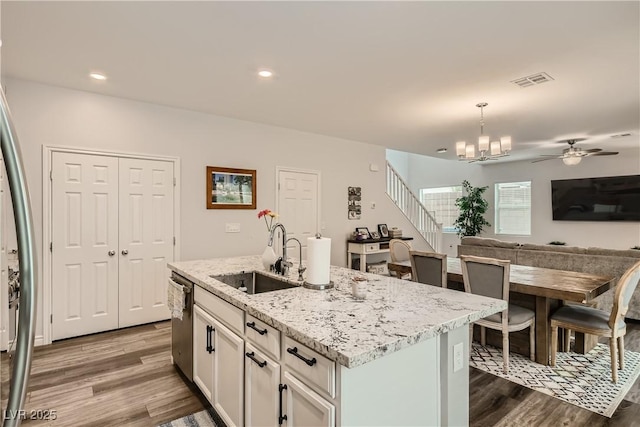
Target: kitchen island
299	356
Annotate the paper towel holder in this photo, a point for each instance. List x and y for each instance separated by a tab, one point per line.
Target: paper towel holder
319	287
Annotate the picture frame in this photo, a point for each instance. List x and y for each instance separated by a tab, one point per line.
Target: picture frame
363	230
229	188
383	230
375	235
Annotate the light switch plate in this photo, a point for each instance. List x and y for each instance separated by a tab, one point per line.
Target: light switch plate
232	227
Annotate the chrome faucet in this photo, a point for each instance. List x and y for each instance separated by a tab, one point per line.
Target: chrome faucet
301	269
282	265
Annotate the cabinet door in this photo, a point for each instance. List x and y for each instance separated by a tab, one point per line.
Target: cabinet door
261	380
228	375
203	351
305	407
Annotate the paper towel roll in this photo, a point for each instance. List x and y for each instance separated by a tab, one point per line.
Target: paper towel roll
318	260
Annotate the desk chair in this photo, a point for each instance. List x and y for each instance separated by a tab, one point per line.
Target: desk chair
429	268
590	320
399	251
490	277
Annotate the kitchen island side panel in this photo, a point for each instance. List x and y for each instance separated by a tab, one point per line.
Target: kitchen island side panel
400	389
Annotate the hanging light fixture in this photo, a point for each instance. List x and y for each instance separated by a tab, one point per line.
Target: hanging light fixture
487	149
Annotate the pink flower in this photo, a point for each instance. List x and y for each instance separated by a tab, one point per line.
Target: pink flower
267	213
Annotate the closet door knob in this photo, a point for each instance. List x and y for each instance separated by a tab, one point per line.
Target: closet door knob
112	253
124	252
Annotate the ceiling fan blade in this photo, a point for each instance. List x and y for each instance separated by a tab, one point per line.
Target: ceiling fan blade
548	158
593	150
603	153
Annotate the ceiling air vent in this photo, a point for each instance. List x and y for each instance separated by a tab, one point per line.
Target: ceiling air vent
534	79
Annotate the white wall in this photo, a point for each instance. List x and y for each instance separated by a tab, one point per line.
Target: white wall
47	115
425	172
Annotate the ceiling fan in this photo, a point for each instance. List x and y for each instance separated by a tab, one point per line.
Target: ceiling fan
573	155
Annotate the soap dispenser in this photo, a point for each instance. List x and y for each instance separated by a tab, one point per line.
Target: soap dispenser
242	287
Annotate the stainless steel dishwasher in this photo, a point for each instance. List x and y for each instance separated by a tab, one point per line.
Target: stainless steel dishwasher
182	330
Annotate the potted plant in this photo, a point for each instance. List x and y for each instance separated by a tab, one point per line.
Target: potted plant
472	209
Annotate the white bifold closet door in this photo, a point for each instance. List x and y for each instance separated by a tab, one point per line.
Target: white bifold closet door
146	239
112	235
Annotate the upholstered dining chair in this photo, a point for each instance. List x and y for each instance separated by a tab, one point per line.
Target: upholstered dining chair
490	277
590	320
399	251
429	268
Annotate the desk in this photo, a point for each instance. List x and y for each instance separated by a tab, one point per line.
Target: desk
368	247
545	285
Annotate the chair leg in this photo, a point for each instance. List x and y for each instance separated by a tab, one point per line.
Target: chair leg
483	336
532	340
621	351
505	351
567	340
554	343
614	359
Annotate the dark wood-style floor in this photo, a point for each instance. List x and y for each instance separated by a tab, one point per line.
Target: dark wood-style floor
125	378
117	378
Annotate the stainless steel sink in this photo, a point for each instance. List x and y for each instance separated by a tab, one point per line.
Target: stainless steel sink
255	282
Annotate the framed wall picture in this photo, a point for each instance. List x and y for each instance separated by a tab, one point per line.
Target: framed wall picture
363	230
375	235
354	204
383	230
229	188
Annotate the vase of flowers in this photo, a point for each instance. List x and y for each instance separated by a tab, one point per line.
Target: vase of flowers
269	256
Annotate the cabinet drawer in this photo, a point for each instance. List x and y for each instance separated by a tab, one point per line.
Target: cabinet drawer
319	371
372	247
230	315
263	336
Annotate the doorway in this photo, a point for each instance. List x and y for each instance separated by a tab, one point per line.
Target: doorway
298	205
111	229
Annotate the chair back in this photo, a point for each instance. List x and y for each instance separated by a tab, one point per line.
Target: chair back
626	285
429	268
399	250
488	277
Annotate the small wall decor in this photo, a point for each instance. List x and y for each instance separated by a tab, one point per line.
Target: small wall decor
383	230
354	210
231	188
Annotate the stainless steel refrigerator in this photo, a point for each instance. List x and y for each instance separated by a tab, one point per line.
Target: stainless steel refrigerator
14	412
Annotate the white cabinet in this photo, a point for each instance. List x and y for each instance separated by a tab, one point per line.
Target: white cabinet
228	377
203	351
303	406
261	381
218	355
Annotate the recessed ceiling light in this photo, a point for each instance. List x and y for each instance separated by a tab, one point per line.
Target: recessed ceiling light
98	76
265	73
441	150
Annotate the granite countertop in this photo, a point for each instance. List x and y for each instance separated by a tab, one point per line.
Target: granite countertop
395	314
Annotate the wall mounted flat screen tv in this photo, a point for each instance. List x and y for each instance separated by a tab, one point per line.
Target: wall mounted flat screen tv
615	198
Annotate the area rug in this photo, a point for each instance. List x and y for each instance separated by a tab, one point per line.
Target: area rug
199	419
583	380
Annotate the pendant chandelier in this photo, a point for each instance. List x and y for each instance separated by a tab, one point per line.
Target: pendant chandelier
487	149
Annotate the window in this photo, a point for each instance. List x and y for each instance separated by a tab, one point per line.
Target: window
441	203
513	208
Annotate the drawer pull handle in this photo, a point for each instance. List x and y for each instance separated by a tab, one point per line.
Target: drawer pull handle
209	347
294	351
253	357
252	325
281	417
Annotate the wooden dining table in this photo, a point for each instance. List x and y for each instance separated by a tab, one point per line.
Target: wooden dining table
545	285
